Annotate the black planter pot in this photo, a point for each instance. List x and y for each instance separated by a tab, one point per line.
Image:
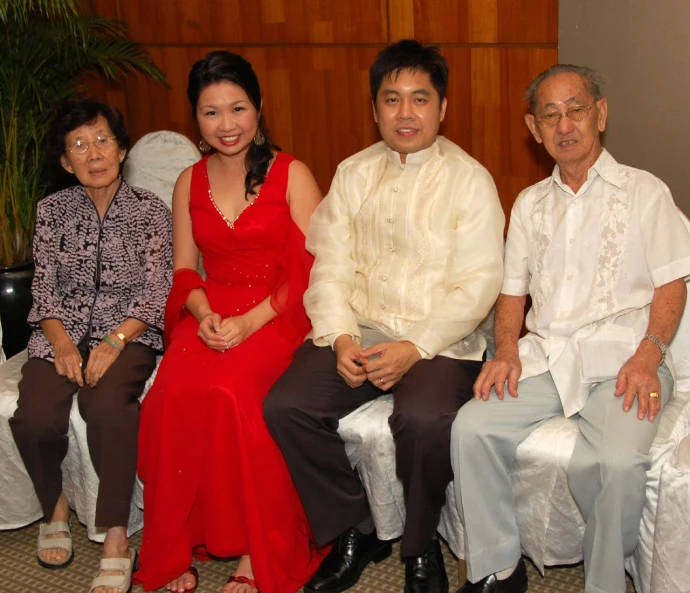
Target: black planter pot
15	304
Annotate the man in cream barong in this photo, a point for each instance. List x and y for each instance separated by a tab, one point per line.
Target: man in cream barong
408	251
602	252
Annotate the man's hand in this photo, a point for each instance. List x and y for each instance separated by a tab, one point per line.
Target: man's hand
639	376
100	359
396	358
495	373
347	351
68	360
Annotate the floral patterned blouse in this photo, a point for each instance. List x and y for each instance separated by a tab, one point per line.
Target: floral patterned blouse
92	275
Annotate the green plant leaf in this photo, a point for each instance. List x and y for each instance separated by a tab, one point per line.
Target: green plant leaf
46	47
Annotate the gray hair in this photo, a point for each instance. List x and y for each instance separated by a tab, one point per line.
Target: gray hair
592	79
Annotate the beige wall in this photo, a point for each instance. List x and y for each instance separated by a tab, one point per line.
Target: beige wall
642	48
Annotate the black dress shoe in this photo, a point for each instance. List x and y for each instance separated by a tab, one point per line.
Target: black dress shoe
515	583
343	566
426	573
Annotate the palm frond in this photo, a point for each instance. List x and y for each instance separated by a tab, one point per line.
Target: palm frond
47	45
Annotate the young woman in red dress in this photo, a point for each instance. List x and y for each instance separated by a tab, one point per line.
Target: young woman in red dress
215	483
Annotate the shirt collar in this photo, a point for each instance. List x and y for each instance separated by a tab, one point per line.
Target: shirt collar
605	167
415	158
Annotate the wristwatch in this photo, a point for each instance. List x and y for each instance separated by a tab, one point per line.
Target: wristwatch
659	343
121	336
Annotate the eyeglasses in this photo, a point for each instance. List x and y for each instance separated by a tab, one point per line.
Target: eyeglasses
102	142
553	118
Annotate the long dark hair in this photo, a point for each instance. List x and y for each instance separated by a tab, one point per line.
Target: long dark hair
223	66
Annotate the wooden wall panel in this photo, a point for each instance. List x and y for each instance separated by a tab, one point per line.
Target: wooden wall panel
316	100
455	22
313	56
256	22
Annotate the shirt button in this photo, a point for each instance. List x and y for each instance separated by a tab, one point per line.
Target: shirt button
383	278
383	306
571	241
395	189
569	277
391	220
392	249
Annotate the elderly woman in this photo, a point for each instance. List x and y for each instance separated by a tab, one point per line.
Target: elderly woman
102	251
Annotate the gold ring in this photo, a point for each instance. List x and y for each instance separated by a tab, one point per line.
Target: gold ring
381	381
654	395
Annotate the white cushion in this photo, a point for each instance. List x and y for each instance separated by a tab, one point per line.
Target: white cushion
156	161
680	345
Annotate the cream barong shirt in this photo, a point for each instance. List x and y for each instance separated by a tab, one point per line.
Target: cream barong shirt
591	261
411	251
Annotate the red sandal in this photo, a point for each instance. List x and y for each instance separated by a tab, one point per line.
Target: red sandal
243	581
195	573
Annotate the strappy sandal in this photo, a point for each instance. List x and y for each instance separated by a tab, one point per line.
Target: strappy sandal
242	580
125	565
50	543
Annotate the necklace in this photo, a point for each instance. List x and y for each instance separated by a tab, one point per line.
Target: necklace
231	223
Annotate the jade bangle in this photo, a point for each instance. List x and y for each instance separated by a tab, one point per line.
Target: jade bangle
108	340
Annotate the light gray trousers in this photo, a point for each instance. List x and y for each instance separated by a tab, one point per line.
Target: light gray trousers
606	475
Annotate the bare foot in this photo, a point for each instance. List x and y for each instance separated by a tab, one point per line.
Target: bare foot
61	513
186	582
244	569
116	545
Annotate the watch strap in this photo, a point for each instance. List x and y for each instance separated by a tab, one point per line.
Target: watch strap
659	343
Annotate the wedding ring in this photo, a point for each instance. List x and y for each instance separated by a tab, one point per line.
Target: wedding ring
381	381
654	395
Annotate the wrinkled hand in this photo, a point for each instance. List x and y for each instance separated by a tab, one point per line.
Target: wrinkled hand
639	376
236	330
396	359
495	373
100	359
347	351
209	332
68	361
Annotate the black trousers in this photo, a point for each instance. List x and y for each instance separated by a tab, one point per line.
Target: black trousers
303	410
111	413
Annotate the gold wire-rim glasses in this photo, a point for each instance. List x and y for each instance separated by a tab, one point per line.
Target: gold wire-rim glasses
103	142
575	113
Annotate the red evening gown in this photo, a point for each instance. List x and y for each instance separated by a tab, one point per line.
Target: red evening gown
214	481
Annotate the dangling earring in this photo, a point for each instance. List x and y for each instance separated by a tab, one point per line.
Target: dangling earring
259	138
203	146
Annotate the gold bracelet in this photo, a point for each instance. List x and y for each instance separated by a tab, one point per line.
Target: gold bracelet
108	340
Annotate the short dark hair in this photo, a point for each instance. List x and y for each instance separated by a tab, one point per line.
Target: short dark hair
409	54
81	111
224	66
592	79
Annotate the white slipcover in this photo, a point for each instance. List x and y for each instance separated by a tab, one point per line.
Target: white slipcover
154	163
550	524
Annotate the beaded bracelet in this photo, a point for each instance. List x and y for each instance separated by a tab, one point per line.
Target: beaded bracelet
108	340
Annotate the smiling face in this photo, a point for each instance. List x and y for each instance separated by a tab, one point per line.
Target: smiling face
99	167
227	119
408	112
572	144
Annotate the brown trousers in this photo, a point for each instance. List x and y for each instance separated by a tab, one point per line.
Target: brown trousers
111	413
304	407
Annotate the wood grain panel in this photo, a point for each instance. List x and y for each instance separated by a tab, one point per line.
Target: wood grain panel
313	56
262	22
485	114
316	100
476	21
